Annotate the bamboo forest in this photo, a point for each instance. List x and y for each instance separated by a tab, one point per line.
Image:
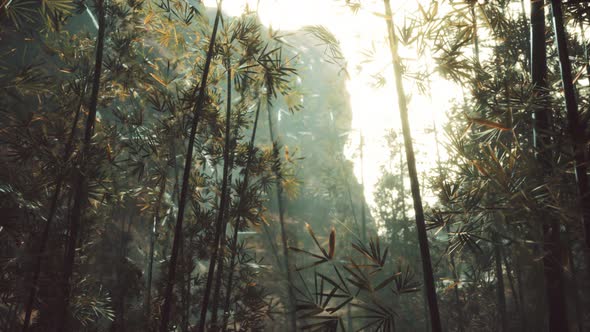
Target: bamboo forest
311	165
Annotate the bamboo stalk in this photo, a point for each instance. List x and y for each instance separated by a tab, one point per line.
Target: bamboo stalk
542	119
238	219
442	175
185	178
52	211
575	126
153	237
500	290
414	185
223	201
279	188
363	214
80	186
225	220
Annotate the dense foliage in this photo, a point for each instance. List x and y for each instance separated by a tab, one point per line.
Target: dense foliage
165	166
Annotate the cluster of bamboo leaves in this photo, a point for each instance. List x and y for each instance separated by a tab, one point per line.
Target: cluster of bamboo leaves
506	228
94	133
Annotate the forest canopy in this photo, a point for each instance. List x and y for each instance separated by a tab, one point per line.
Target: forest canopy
181	165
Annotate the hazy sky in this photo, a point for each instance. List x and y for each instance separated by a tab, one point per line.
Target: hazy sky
374	108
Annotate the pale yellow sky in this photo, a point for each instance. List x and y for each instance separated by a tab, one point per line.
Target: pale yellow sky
374	109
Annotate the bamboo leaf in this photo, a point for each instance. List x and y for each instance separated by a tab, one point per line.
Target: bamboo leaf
488	123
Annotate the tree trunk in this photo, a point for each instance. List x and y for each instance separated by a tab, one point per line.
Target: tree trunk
183	295
573	283
553	278
442	175
585	48
153	238
527	54
189	270
238	219
185	179
119	320
500	290
80	183
575	126
52	211
415	186
225	220
223	202
458	303
511	284
523	311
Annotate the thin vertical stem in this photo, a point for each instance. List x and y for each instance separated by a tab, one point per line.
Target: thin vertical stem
442	175
511	282
542	120
189	270
363	214
574	282
226	216
153	237
500	292
519	283
80	183
185	178
475	35
414	185
238	220
585	43
279	189
527	54
576	127
223	201
52	211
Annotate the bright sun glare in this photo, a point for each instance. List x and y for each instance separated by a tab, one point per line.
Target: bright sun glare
374	107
